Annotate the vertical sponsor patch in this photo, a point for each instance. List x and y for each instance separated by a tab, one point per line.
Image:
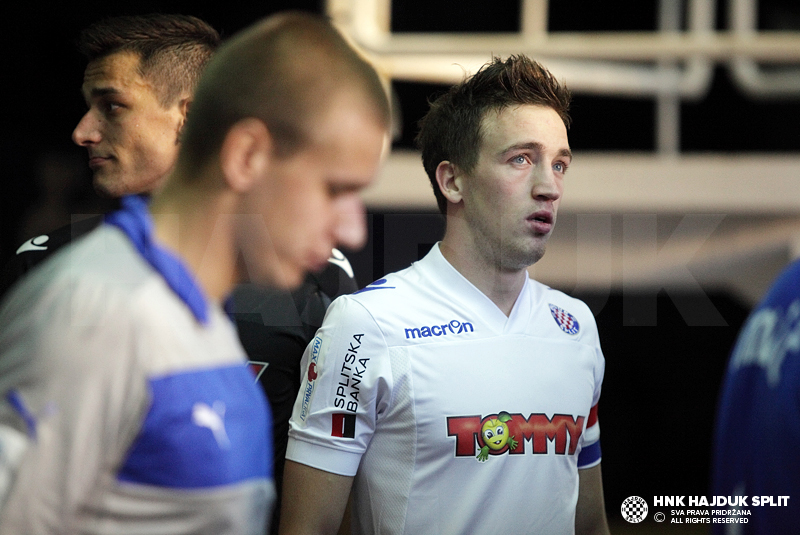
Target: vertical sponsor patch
565	320
343	425
312	373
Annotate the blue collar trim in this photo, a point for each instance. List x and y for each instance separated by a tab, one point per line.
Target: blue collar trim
135	221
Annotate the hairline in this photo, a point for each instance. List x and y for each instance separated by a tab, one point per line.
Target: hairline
469	166
152	86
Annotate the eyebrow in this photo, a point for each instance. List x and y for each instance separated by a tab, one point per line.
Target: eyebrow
103	91
99	92
536	146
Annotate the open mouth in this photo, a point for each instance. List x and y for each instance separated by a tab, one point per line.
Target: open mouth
541	217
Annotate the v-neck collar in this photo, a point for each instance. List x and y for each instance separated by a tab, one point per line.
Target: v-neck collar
468	295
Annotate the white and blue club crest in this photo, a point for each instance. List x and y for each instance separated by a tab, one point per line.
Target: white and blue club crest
568	323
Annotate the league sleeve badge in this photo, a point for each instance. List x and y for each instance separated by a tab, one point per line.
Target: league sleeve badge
565	320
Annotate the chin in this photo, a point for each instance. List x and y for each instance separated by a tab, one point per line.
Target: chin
522	259
105	188
284	278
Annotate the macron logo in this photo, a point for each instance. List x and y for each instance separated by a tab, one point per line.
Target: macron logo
453	327
34	244
214	419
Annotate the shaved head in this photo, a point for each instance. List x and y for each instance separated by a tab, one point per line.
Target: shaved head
285	71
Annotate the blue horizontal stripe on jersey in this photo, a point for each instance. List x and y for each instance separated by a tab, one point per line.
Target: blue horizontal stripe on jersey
204	428
589	454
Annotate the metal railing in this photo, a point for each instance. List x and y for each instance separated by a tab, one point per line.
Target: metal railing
668	64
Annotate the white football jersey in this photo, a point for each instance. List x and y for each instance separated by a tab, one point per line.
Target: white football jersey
453	417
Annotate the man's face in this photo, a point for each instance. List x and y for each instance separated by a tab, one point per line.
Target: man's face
132	140
310	202
511	197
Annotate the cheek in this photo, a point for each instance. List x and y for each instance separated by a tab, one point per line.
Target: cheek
158	132
295	216
351	221
150	149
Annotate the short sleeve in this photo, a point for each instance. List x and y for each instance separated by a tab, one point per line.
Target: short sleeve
591	454
346	386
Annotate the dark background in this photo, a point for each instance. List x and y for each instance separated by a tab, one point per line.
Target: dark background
42	76
661	380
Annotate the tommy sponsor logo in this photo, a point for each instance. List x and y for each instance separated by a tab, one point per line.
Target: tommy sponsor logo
350	377
505	432
452	327
343	425
311	377
565	320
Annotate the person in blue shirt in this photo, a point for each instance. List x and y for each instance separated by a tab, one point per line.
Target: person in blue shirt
758	419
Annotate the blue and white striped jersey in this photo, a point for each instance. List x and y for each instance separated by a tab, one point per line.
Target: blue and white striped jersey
126	403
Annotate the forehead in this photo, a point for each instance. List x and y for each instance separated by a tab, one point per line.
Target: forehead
117	72
523	124
349	133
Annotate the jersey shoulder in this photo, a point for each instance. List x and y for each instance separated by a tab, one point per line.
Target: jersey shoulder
35	250
785	288
380	306
82	282
562	312
399	294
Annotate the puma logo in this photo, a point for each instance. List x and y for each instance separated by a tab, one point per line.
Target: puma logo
214	419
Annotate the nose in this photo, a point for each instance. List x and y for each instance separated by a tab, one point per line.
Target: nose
546	185
351	227
87	132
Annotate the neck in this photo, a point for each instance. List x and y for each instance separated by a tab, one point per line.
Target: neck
192	223
501	286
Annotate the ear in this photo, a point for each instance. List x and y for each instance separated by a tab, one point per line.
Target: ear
245	154
184	104
449	181
183	109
